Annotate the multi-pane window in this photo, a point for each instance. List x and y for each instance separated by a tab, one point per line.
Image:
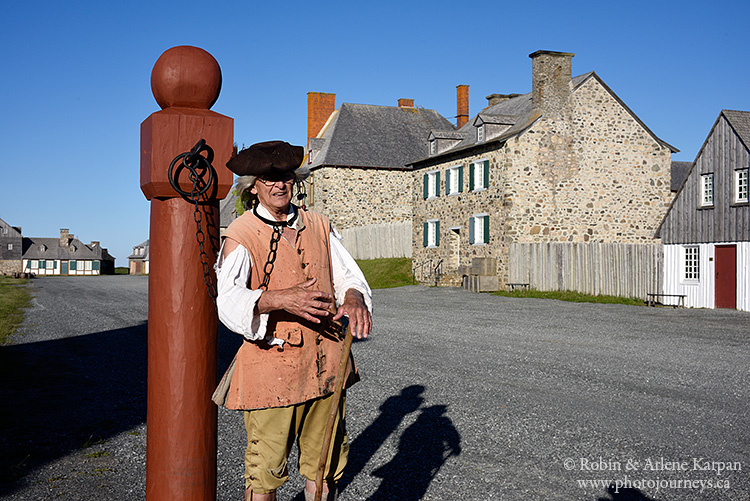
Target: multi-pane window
431	184
692	263
431	233
707	190
479	229
479	175
433	147
740	186
480	133
10	246
454	180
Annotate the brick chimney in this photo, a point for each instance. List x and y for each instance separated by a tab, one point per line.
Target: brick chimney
320	105
65	237
462	105
550	86
405	103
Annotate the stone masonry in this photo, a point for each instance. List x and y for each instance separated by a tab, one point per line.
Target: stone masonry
587	172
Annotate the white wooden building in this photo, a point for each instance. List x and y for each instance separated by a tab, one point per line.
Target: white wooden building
706	232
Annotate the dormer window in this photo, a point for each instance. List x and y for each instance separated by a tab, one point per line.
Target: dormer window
42	248
480	133
433	147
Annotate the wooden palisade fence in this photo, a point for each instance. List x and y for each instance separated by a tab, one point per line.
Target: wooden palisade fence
378	240
629	270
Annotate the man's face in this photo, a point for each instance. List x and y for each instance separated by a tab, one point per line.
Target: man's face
275	193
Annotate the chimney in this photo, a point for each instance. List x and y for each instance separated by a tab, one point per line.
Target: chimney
462	105
94	243
65	237
320	105
550	87
494	99
405	103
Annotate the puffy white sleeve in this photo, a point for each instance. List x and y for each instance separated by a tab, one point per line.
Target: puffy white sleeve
346	273
235	302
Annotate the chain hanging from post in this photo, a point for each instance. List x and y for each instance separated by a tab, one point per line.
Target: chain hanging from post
197	166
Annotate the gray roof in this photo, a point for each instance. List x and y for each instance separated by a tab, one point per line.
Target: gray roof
362	135
32	249
518	112
226	210
680	171
144	256
740	122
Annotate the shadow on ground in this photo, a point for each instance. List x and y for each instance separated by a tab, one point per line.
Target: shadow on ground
63	395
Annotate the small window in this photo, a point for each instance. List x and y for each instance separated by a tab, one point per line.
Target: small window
692	264
740	186
431	233
431	184
433	147
479	175
454	180
480	133
5	230
707	190
479	229
72	266
10	246
42	247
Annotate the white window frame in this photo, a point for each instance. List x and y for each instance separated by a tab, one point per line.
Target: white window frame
691	263
10	246
478	168
433	184
5	230
433	147
741	186
454	180
478	220
432	233
480	133
707	190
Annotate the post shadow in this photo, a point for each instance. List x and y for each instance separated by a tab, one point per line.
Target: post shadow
423	449
625	494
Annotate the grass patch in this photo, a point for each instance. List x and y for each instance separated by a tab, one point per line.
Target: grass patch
122	270
13	299
387	273
98	454
575	297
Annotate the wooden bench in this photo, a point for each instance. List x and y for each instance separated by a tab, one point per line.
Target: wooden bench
652	299
512	287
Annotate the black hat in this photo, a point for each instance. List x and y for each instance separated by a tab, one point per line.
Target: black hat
270	158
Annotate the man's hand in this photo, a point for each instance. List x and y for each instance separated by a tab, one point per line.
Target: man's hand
360	319
311	305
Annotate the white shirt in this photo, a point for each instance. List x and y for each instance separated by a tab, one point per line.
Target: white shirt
237	304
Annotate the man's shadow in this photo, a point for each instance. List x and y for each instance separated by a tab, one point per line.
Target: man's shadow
423	449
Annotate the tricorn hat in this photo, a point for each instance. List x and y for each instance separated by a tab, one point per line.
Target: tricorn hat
270	158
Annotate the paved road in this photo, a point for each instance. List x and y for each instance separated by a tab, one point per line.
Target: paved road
464	396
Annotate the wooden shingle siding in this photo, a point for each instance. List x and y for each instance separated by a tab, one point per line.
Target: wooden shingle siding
687	221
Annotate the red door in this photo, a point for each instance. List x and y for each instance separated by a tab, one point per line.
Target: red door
725	285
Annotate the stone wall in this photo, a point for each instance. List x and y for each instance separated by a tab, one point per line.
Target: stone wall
8	267
353	197
597	177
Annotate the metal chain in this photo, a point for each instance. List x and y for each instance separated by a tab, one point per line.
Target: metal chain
268	268
197	166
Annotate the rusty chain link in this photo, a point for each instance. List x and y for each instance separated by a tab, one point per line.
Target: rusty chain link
197	166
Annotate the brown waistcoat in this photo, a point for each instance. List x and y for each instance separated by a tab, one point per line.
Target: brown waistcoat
305	368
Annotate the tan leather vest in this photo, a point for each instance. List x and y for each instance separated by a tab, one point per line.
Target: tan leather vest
305	368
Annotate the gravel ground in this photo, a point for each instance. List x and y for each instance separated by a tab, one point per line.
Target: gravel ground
464	396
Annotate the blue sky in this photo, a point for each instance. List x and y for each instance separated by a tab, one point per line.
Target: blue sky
76	79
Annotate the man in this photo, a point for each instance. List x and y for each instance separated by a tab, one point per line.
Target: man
285	285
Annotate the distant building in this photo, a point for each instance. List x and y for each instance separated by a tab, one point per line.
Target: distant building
138	260
706	233
65	256
11	248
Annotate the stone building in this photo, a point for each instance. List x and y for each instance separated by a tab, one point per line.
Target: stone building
358	156
11	249
568	162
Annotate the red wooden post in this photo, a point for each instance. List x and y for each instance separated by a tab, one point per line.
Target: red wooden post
182	318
